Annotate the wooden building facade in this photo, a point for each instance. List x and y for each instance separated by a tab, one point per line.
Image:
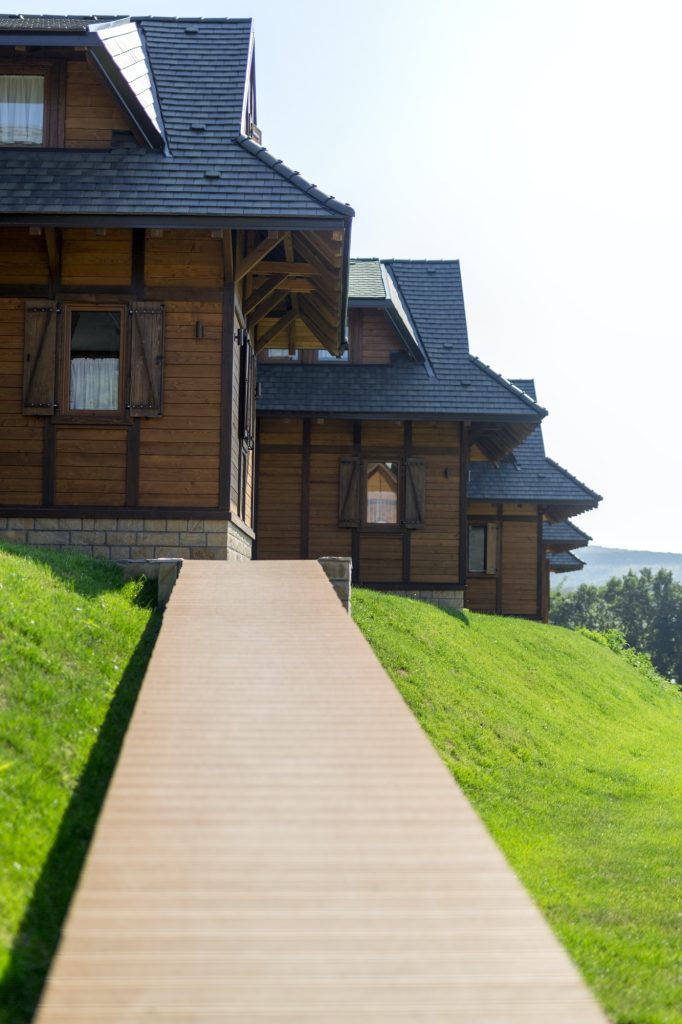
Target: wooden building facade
148	246
450	504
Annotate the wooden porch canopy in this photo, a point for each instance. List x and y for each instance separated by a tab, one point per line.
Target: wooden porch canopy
293	288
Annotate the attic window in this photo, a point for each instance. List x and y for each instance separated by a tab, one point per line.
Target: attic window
22	110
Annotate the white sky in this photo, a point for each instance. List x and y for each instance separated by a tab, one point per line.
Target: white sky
541	144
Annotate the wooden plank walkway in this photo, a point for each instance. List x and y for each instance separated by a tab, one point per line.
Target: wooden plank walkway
281	843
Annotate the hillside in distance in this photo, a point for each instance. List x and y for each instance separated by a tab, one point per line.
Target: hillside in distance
603	563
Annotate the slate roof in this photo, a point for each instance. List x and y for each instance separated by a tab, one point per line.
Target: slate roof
564	561
366	280
449	384
565	533
529	475
199	72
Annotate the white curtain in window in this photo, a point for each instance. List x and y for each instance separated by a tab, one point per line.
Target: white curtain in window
94	383
21	110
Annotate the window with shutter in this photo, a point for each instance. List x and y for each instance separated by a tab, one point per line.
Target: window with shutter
146	359
349	492
40	347
415	493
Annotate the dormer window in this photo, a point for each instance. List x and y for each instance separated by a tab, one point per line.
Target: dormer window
22	110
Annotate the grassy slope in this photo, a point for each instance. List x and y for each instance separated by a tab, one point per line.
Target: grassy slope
71	637
574	761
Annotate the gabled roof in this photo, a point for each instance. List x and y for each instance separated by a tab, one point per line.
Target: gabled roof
188	80
449	384
371	286
564	561
564	535
529	475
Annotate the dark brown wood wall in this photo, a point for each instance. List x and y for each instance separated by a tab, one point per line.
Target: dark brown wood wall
173	461
298	497
372	337
91	112
516	587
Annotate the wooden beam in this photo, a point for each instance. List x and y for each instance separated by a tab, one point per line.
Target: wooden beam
293	267
272	284
228	257
299	286
273	332
263	308
295	305
251	259
319	333
324	310
328	273
53	246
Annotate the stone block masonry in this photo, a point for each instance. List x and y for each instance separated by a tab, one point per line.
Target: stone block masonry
339	570
452	600
122	539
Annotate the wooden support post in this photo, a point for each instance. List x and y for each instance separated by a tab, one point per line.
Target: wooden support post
226	375
463	492
305	489
407	534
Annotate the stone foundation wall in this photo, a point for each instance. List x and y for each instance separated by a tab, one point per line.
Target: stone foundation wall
339	570
212	539
453	600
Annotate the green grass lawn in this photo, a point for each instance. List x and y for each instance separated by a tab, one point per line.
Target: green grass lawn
74	643
573	758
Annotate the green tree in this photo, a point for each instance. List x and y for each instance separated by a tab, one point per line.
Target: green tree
645	607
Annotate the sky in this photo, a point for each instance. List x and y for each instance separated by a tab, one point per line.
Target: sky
539	143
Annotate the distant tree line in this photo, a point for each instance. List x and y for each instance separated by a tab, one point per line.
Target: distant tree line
646	607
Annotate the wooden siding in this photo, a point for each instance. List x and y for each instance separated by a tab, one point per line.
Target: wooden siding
23	257
179	451
92	112
373	338
184	258
90	465
21	437
481	594
177	455
278	531
89	257
304	523
520	568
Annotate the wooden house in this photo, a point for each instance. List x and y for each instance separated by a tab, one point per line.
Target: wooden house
399	414
518	531
149	245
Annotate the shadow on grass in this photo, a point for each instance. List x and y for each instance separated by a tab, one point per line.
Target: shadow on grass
39	932
85	575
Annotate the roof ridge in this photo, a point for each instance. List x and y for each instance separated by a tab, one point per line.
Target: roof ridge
293	177
510	387
422	262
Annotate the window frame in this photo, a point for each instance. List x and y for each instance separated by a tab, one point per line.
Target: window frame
53	120
398	525
64	363
485	572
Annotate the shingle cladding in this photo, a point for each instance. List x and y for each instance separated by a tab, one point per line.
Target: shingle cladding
565	532
564	561
200	70
528	474
459	386
366	280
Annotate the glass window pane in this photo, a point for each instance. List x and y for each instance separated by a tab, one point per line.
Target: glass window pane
382	492
22	103
94	359
282	353
326	357
477	548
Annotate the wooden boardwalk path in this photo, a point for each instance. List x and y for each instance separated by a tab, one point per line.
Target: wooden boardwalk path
281	843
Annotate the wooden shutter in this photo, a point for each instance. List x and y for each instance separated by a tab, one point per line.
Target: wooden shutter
415	491
349	492
247	394
146	359
40	348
